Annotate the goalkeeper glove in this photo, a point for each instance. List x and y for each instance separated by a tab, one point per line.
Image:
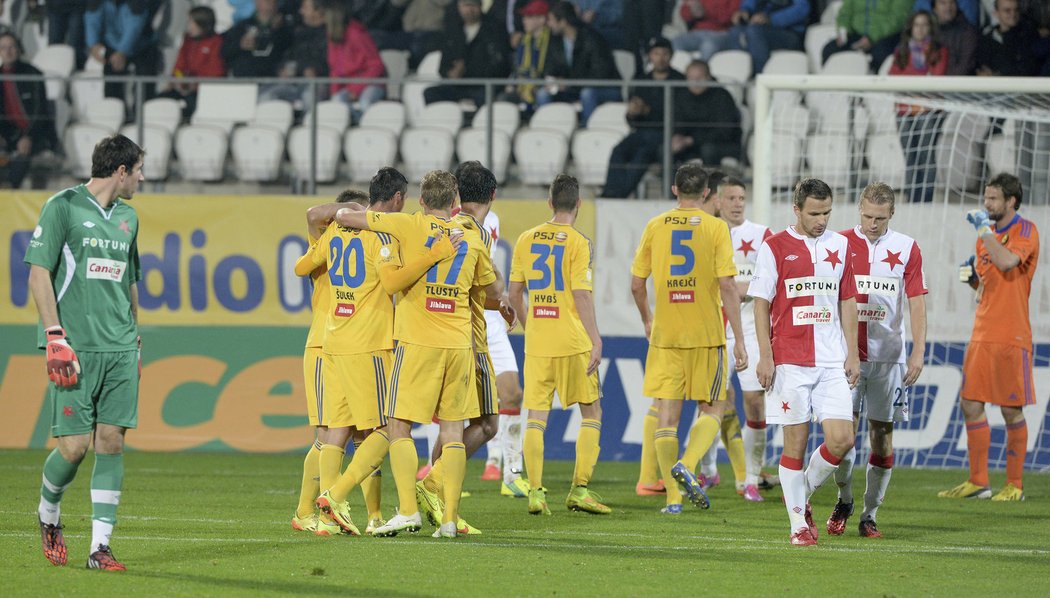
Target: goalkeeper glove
967	273
979	220
62	363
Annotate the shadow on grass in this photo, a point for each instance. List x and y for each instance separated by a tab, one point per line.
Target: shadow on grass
307	586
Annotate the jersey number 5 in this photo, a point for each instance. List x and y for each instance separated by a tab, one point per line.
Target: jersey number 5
340	256
543	254
453	272
679	249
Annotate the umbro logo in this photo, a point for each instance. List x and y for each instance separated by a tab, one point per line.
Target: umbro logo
791	257
89	224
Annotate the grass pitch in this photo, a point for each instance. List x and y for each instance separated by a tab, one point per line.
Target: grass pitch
218	525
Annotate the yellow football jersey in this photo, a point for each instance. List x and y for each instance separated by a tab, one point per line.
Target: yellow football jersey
477	294
553	260
686	251
358	314
435	311
318	299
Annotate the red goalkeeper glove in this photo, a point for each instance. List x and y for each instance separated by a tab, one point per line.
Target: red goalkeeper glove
62	363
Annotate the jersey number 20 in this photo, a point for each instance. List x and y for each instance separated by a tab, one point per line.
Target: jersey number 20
340	256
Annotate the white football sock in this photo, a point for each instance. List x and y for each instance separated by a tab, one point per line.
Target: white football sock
100	534
49	511
844	476
821	465
494	447
878	479
793	483
709	462
754	436
511	431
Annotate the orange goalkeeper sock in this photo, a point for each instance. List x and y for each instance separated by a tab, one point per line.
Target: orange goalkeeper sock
978	438
1016	450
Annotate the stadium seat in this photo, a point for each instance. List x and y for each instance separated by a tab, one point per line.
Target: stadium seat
556	117
201	150
257	151
275	114
828	154
959	166
848	64
731	65
388	115
540	154
591	148
413	86
790	119
817	36
830	111
85	89
831	12
1000	153
884	69
611	116
424	149
79	143
886	159
157	143
59	60
786	159
680	60
624	63
332	114
786	62
223	14
506	117
224	105
367	150
107	113
471	144
396	64
441	115
329	142
881	113
163	112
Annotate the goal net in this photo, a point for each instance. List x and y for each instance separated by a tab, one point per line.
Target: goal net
936	140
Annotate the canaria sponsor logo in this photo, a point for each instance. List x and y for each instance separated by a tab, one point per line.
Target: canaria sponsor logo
871	312
811	315
102	269
809	286
877	285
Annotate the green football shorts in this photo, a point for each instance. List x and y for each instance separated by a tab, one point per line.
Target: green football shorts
106	392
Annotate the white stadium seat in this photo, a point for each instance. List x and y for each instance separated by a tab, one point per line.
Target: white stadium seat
201	150
817	36
846	64
257	152
556	117
506	117
56	59
225	104
427	75
85	90
886	159
540	154
275	114
367	150
79	143
471	144
396	64
107	112
424	149
162	112
157	143
611	116
958	151
441	115
828	154
591	149
329	147
731	65
388	115
624	63
332	114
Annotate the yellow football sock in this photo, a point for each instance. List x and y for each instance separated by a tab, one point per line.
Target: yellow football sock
454	456
734	445
311	481
649	468
533	449
587	449
667	454
701	435
367	459
435	479
330	464
403	463
371	486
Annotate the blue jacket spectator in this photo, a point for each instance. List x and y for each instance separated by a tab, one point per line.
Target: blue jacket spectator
762	26
118	34
605	17
971	9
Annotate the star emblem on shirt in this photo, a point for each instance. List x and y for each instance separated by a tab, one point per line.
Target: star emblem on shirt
785	406
746	246
893	259
832	257
124	227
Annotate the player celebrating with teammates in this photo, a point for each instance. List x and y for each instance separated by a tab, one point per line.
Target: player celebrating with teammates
688	253
887	267
563	349
997	368
806	322
433	370
747	237
83	265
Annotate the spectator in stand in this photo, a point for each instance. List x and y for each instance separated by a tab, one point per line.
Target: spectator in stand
199	56
605	17
761	26
1008	48
959	36
242	10
869	26
423	25
26	126
577	52
306	59
256	47
380	18
475	46
970	10
708	22
530	55
351	53
65	25
707	120
645	113
642	21
118	34
920	53
509	12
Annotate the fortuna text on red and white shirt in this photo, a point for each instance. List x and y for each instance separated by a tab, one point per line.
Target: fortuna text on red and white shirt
887	272
804	279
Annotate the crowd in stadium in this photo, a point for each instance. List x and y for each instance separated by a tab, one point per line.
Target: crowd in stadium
296	40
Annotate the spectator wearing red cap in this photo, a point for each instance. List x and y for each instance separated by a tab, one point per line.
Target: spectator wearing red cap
530	54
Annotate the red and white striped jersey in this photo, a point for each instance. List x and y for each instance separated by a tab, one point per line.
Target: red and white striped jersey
491	224
887	272
804	279
747	238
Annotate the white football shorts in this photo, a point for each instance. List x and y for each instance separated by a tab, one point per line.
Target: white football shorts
881	393
803	393
499	344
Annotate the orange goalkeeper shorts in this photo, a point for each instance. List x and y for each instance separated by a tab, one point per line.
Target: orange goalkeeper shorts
998	374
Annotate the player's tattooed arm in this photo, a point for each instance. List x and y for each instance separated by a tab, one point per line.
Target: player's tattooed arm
640	292
352	215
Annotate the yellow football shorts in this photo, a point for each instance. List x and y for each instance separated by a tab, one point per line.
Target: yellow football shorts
485	384
695	374
567	375
355	389
313	376
428	381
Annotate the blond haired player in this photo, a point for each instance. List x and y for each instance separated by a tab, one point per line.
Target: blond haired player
688	253
563	349
433	370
